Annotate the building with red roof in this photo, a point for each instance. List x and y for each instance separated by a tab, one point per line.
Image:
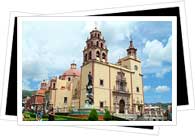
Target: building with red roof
62	89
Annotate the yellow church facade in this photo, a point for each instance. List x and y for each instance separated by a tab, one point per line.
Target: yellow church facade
116	87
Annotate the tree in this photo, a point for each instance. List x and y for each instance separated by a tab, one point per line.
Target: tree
93	116
107	115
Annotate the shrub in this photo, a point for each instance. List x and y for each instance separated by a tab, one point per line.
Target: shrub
32	115
93	116
107	115
26	115
45	116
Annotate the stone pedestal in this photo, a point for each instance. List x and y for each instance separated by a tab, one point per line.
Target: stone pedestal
126	111
117	110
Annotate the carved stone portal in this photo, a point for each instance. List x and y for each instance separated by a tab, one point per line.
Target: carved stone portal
121	95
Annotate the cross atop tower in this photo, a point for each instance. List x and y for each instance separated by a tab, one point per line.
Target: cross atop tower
96	24
131	42
131	38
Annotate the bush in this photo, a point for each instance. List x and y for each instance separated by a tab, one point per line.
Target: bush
93	116
32	115
26	115
107	115
29	114
45	116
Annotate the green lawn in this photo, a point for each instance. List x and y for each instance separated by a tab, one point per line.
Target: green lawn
29	116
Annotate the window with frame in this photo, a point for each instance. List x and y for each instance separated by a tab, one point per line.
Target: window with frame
135	67
101	104
97	44
98	54
121	81
65	100
69	78
101	82
89	55
103	55
101	45
85	57
54	85
137	89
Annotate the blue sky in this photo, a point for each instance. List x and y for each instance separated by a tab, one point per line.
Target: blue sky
49	47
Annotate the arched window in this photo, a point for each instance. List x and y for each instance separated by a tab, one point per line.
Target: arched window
101	45
69	78
97	43
98	54
137	89
54	85
89	55
103	55
85	57
95	34
98	35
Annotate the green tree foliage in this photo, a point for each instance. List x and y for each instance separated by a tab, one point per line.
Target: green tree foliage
107	115
93	115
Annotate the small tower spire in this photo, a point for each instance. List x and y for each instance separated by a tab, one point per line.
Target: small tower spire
131	51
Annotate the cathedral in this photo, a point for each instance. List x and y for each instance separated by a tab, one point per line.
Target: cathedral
116	87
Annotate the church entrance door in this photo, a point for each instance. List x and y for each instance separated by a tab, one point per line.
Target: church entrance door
122	106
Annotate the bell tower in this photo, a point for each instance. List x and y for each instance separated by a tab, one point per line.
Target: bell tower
95	49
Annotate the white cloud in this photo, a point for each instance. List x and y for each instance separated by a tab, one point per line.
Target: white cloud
163	71
162	88
155	55
115	53
49	49
116	30
147	88
90	25
51	46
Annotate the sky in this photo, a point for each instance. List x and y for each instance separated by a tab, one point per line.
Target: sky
49	47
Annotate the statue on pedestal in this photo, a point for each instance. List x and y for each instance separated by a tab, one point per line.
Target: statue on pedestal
89	91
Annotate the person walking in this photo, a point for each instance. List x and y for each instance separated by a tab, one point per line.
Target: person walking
51	114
